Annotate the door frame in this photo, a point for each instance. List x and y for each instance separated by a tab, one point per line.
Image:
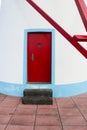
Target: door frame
26	31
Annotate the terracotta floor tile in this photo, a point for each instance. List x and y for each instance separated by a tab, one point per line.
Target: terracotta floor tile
47	111
2	98
48	128
49	106
0	101
23	120
81	101
83	106
9	103
6	110
85	115
73	120
64	100
22	111
12	98
47	120
4	119
26	106
78	97
66	105
47	116
69	112
2	127
18	127
83	111
75	128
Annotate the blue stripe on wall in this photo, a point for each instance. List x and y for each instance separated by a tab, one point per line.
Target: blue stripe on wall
58	90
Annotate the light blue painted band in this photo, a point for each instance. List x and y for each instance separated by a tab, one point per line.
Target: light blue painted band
58	90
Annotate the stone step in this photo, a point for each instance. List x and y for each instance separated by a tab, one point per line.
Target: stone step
39	100
38	92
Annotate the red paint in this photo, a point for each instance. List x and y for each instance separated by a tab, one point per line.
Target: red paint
82	38
39	68
83	11
81	49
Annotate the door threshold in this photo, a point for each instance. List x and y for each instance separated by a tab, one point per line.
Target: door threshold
39	82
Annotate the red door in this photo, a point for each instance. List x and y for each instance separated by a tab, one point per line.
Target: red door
39	57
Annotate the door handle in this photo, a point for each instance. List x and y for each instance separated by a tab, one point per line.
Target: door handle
32	57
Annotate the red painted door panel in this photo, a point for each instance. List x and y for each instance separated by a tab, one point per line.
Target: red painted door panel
39	57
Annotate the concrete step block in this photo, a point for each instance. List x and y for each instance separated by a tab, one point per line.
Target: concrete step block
39	100
38	92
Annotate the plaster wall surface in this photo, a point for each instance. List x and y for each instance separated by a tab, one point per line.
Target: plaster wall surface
17	16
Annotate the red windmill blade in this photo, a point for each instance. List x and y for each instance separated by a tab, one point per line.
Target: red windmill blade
71	39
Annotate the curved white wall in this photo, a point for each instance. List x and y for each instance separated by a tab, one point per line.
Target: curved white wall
17	15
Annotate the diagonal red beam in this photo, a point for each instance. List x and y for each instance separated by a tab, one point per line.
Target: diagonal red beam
83	11
81	49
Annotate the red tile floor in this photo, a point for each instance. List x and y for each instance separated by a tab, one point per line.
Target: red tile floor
65	114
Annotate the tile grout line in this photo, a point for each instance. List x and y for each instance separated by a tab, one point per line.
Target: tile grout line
3	99
59	114
35	118
12	115
79	109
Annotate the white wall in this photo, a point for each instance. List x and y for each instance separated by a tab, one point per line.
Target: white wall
17	15
0	3
85	2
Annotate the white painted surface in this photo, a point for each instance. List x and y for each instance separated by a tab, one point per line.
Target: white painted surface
0	3
17	15
85	2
